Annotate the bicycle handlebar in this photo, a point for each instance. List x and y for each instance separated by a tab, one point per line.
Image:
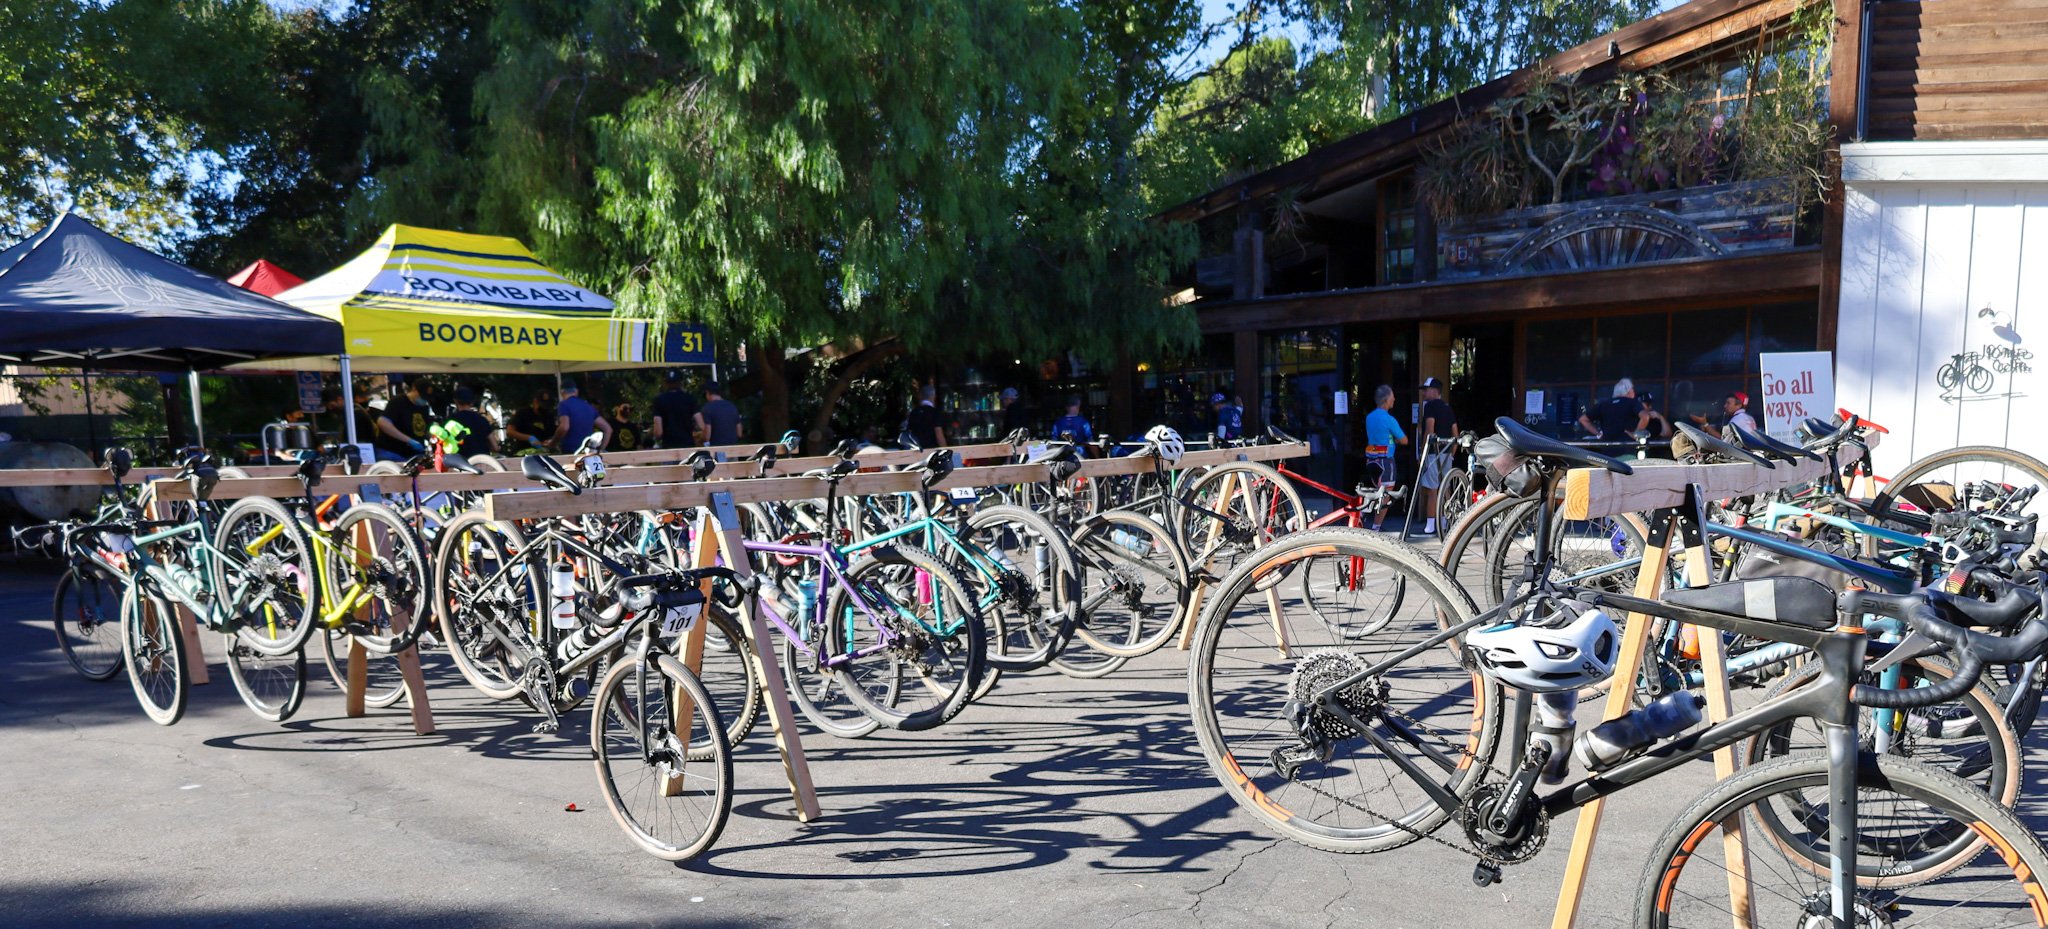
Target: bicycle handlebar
1973	650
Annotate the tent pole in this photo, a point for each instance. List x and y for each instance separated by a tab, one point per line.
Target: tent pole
348	401
198	425
92	432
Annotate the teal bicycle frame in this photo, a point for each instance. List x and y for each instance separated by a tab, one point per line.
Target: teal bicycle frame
937	537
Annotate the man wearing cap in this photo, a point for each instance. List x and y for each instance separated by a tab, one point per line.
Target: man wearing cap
1229	418
1736	407
675	414
1015	416
479	440
1437	420
575	419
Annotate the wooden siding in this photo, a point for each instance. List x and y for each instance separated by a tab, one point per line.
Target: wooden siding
1957	69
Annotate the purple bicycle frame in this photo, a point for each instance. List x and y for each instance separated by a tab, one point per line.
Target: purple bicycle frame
828	560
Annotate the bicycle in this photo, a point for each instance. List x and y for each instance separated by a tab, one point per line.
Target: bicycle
1434	724
86	604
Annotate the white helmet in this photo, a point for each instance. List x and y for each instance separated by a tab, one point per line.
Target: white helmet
1166	443
1550	658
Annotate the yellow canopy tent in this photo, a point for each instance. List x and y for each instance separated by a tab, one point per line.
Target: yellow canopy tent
428	300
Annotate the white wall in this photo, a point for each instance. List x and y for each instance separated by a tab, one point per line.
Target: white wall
1945	252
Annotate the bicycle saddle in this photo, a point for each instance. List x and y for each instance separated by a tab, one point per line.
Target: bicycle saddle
1793	601
545	470
907	443
1018	437
1058	451
847	448
1528	443
1763	443
1826	435
936	466
310	469
119	461
459	463
1275	436
1694	442
701	464
201	472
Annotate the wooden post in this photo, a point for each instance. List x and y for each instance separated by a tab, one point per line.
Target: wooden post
408	665
188	626
781	715
1681	524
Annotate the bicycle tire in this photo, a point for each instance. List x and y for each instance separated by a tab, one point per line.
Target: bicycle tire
1022	637
1261	685
391	566
285	574
271	686
85	612
1272	508
730	676
1995	769
1469	544
383	684
459	578
959	647
615	746
2029	466
153	650
1453	498
2015	856
1131	558
486	463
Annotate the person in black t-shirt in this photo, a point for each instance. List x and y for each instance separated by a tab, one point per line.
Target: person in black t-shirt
530	426
403	424
1015	415
1617	418
675	415
925	424
479	440
1438	420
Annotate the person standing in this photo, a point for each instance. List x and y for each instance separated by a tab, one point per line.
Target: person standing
625	427
1440	421
675	414
1618	418
719	420
1382	433
366	425
1015	415
1736	407
479	440
402	423
924	423
1659	426
576	419
530	425
1074	426
1229	418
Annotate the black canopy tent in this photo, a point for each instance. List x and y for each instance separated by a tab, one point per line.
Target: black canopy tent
73	295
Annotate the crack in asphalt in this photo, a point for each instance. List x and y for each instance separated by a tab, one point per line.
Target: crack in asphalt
1195	909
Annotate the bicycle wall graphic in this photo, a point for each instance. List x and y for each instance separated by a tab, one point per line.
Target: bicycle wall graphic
1971	375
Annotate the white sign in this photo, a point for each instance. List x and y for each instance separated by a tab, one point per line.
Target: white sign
1340	403
1532	403
1797	386
309	391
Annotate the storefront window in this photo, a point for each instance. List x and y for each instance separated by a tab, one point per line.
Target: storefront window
1299	376
1176	392
1397	231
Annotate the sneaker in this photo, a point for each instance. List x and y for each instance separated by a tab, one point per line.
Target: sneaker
1429	527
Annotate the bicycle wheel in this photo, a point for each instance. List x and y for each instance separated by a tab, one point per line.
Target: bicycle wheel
272	686
153	650
383	684
1686	880
1468	547
264	574
728	675
1330	585
913	658
668	781
1252	504
376	563
1453	498
813	688
1935	483
1135	586
1024	580
1307	775
483	596
1967	738
86	612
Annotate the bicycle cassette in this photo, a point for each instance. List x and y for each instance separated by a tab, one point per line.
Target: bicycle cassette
1321	670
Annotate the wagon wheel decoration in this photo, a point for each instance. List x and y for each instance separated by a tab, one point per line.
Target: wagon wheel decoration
1606	237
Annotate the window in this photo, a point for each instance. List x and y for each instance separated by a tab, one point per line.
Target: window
1397	230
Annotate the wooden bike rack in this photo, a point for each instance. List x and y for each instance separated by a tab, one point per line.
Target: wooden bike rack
1675	497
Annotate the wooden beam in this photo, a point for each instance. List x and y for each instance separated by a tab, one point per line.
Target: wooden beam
1789	274
539	504
1591	492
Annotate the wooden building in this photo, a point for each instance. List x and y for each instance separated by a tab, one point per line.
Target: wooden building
1944	233
1332	274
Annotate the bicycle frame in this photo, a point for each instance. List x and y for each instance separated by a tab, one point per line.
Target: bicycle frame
833	565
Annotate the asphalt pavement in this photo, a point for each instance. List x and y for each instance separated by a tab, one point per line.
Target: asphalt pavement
1055	802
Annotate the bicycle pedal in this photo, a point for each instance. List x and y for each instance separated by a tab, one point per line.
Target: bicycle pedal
546	727
1485	874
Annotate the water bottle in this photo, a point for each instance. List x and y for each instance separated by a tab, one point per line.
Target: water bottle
1614	741
1130	540
807	591
563	586
1553	727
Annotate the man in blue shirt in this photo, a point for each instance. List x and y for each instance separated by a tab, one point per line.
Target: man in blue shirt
1382	433
1229	417
1073	424
576	419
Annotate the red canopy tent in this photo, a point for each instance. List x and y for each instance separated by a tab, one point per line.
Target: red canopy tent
265	278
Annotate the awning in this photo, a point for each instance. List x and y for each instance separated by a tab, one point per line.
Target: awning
265	278
74	296
427	300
